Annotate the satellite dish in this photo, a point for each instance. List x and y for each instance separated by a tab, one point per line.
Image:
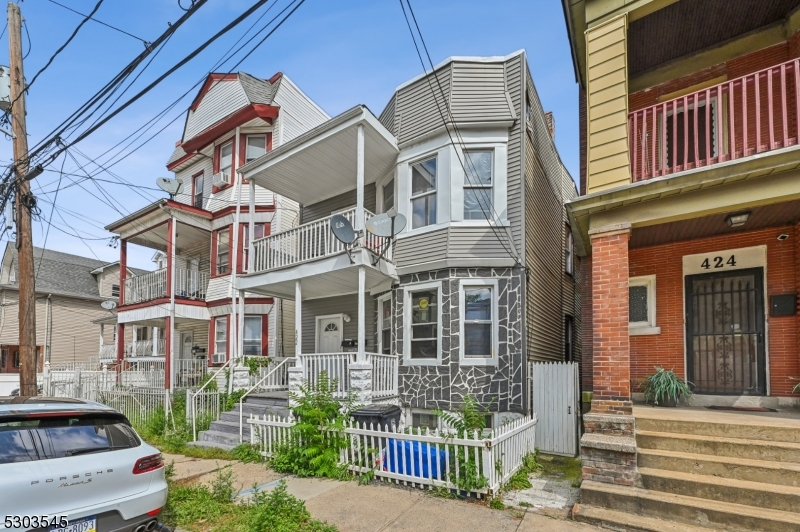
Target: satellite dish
342	229
108	304
381	225
170	186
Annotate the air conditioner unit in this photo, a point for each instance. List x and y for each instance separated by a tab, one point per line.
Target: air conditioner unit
221	178
218	358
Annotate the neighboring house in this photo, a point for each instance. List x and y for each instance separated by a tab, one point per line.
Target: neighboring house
181	312
689	222
477	283
69	290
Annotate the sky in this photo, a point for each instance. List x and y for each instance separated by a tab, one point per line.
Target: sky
340	53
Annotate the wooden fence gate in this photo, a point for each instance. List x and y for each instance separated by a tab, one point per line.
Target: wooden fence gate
555	399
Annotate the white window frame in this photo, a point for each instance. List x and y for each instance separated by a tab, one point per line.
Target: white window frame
407	291
247	158
569	253
491	360
224	321
472	186
379	343
260	329
198	191
434	191
230	166
640	328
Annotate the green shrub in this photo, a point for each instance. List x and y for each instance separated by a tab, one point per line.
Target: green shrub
247	453
278	511
665	386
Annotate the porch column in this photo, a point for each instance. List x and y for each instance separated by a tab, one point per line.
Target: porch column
251	227
120	346
168	352
298	319
608	447
359	221
362	318
123	269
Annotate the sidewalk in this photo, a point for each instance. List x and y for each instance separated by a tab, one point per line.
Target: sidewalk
376	507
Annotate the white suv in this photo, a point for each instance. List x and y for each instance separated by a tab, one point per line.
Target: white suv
75	466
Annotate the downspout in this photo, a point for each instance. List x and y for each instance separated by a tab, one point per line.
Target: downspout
234	251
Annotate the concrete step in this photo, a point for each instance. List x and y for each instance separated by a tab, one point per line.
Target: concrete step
231	427
778	473
215	436
747	427
211	445
615	520
260	410
693	511
719	446
273	398
759	494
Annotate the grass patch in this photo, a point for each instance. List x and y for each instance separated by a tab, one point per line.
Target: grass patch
562	468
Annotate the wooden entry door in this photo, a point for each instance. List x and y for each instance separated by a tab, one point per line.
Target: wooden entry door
725	347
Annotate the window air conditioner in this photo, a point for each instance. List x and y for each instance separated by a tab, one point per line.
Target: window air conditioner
221	178
218	358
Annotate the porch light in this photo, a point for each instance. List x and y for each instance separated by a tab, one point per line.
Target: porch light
737	220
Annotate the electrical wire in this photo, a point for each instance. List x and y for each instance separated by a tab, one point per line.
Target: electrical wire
146	43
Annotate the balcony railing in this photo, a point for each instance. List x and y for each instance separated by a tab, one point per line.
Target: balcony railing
337	367
752	114
307	242
144	348
190	284
108	352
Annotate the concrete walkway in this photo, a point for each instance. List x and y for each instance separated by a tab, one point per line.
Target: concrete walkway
376	507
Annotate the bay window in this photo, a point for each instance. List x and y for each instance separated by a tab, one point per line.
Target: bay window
252	336
423	193
423	310
479	325
220	335
385	321
478	166
226	158
223	250
256	147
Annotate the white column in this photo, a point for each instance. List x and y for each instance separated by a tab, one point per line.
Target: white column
102	330
359	222
240	330
362	317
298	318
155	341
251	228
170	351
234	249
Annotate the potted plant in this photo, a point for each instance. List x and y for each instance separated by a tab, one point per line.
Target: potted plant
665	388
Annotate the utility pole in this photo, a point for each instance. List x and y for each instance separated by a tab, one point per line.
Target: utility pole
23	201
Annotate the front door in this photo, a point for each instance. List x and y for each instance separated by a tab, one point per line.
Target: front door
725	347
186	346
329	338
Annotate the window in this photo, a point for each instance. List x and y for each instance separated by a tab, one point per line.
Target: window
221	335
114	290
478	300
16	359
226	158
423	193
388	196
678	124
424	420
141	333
385	306
223	250
12	273
259	230
569	251
197	198
256	147
642	305
568	338
423	316
478	185
252	335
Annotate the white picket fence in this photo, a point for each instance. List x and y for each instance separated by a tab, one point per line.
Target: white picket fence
555	398
137	404
417	458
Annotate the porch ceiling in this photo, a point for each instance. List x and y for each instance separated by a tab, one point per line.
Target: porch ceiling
322	163
156	237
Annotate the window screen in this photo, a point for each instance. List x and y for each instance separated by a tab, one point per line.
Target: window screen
637	304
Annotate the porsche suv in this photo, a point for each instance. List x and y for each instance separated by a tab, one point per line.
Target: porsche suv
70	465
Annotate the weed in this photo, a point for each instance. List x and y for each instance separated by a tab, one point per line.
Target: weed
526	504
247	453
497	504
520	480
464	423
278	511
222	485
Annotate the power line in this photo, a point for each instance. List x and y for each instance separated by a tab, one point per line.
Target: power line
99	22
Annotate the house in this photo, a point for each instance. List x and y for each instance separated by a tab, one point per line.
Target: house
179	315
69	290
689	222
478	281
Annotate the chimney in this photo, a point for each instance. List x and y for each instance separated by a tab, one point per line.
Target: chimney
551	124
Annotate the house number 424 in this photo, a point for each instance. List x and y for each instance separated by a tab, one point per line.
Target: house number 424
718	262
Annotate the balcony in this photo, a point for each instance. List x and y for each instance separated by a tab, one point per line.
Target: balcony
741	118
189	284
308	242
145	348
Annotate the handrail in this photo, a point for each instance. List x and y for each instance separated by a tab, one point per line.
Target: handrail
203	387
253	387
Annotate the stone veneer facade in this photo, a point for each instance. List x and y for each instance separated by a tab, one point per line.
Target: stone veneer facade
444	386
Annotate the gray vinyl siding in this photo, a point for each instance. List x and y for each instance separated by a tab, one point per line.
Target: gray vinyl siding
323	209
416	110
513	71
387	117
417	249
199	330
284	325
337	305
479	91
477	242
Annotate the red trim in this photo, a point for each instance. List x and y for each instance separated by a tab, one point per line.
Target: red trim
189	208
265	335
207	85
123	269
120	343
247	301
194	186
215	163
244	210
276	77
256	110
242	148
240	266
269	142
217	152
211	342
168	350
152	302
185	158
214	251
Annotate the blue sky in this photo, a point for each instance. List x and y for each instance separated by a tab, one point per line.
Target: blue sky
339	53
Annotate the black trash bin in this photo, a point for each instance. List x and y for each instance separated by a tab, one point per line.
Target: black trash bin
387	417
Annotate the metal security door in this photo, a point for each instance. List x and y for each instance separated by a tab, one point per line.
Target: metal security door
553	389
725	347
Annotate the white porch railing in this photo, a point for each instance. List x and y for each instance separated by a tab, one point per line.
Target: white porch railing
108	352
336	365
143	374
191	284
384	374
278	380
144	348
310	241
189	373
146	287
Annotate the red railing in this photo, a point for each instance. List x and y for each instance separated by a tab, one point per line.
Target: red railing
735	119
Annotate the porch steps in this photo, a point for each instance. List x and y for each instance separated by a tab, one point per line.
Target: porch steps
224	433
703	471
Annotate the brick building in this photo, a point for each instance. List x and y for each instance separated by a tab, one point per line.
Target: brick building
688	223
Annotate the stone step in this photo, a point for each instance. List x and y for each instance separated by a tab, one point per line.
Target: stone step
744	492
211	445
719	446
231	427
693	511
615	520
215	436
733	426
778	473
